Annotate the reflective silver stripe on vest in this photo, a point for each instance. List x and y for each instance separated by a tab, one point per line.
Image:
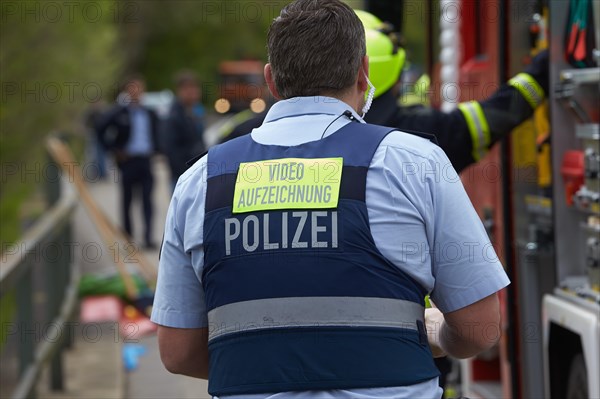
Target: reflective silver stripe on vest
313	312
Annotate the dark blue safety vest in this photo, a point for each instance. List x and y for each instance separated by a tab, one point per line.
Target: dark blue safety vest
301	298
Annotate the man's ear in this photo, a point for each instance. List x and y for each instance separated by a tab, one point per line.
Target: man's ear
363	73
271	82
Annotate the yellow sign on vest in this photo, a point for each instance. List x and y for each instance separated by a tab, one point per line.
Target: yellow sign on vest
288	183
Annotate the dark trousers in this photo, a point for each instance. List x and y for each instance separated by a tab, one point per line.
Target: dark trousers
445	366
136	177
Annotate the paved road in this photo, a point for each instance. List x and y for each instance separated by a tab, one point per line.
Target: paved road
150	379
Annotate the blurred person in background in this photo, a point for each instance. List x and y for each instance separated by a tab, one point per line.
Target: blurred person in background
130	132
96	150
182	132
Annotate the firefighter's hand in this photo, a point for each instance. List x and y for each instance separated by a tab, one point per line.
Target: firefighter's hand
539	69
433	322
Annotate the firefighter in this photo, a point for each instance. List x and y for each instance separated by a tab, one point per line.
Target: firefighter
466	133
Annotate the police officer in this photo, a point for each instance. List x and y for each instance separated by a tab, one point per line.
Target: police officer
465	134
296	259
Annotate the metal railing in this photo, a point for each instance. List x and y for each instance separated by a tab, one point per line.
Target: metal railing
39	277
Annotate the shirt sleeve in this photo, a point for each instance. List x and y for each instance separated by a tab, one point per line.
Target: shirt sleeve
179	299
465	266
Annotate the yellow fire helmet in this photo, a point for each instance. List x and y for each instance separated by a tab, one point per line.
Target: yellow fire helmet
386	57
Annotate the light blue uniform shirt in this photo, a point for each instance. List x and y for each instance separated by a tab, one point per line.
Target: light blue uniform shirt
140	139
420	216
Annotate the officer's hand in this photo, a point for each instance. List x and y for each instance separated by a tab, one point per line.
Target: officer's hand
433	322
539	69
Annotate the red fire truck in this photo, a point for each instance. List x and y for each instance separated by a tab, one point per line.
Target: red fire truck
538	191
242	86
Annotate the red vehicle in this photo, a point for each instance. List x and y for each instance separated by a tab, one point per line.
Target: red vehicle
242	86
537	191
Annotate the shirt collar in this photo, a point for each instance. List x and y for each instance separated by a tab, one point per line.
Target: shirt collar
314	105
137	108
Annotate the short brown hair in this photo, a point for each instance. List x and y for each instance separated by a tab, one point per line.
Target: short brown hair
315	47
129	79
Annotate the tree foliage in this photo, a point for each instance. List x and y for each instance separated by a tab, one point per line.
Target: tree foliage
198	35
55	59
